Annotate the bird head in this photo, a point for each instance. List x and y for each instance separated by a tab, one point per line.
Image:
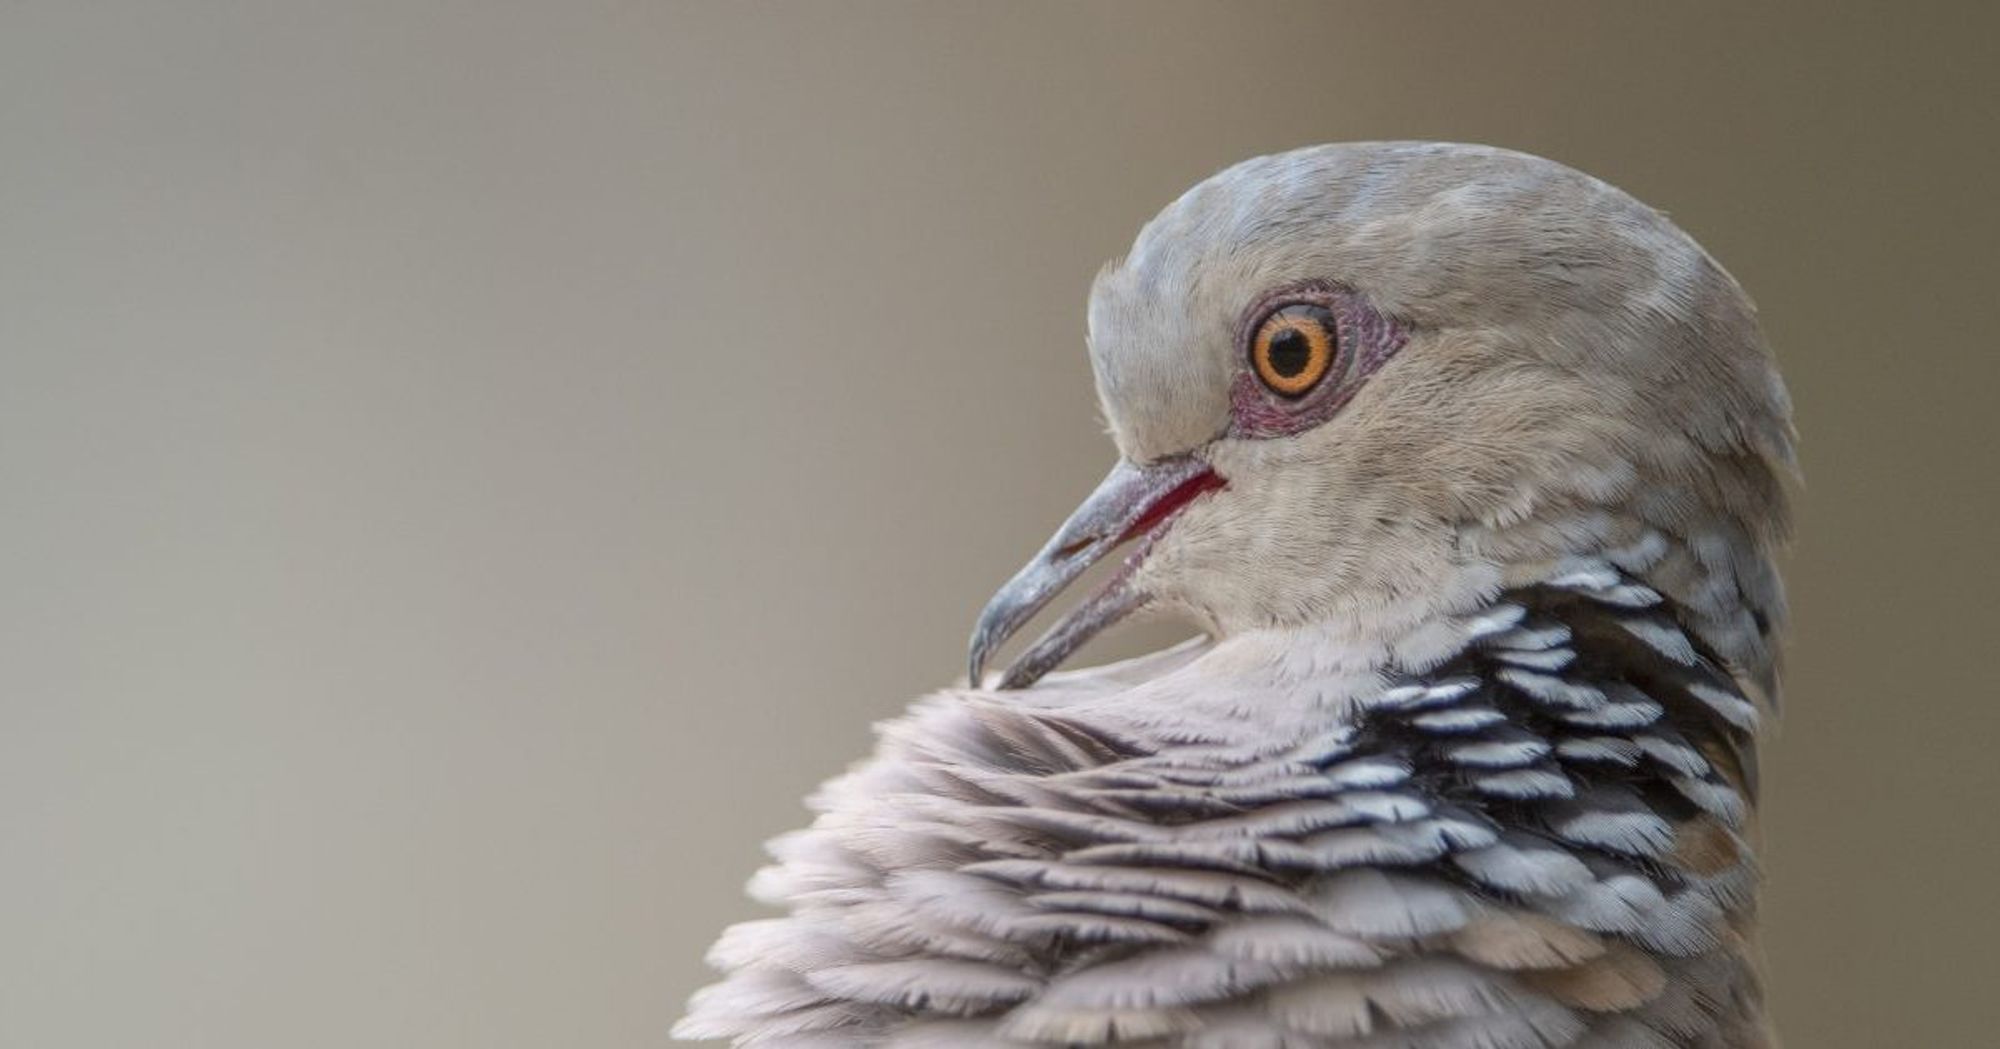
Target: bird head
1342	377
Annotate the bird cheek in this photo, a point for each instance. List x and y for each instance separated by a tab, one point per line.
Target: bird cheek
1198	562
1175	549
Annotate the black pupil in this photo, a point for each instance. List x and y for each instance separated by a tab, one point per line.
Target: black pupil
1290	352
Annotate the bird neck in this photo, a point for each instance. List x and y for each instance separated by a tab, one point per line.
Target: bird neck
1713	588
1717	580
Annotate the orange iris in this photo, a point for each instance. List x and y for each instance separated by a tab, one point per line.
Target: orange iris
1294	348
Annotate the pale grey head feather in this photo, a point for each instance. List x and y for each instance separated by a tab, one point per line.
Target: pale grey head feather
1568	347
1456	239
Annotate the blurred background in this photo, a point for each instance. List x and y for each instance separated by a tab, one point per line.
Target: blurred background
469	468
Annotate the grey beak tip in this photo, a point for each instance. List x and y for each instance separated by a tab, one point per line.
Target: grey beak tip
984	641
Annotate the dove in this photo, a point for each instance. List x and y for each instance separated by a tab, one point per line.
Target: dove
1469	469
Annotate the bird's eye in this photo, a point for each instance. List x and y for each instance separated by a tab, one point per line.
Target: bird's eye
1294	348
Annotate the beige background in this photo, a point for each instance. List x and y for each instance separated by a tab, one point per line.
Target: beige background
468	469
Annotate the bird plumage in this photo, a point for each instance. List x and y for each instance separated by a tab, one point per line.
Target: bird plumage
1467	756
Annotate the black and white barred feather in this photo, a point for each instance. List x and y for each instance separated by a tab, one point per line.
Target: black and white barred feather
1539	837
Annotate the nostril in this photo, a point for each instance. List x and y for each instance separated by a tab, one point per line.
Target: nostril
1073	549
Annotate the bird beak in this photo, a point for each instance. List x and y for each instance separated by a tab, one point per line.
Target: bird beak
1133	502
